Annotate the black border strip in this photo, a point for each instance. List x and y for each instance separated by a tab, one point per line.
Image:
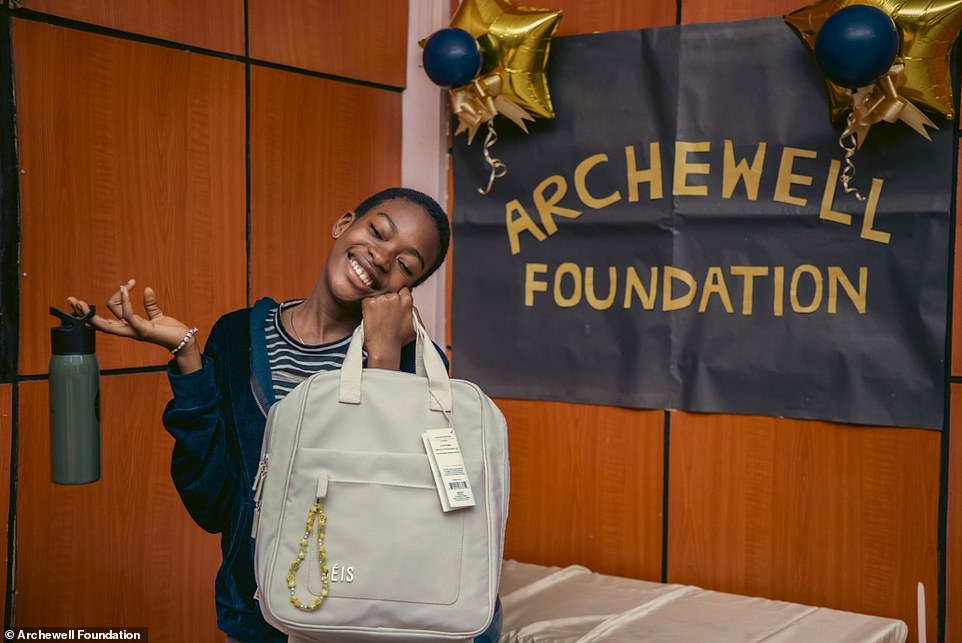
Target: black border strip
666	441
247	153
9	211
257	62
36	16
11	571
9	289
666	437
947	408
132	370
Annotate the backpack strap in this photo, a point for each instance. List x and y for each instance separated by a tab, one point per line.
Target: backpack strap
428	363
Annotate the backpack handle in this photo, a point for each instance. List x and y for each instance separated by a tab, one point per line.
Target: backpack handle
427	362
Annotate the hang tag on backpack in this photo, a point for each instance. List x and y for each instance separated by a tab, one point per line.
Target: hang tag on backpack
447	465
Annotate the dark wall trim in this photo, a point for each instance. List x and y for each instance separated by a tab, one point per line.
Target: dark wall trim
664	497
9	212
247	153
947	413
9	287
36	16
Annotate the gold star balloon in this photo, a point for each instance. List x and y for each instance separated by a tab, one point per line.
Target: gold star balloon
927	31
515	42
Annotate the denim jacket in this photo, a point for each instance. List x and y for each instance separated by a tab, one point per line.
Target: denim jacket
217	419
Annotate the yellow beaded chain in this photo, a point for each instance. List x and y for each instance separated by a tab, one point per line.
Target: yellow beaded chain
316	511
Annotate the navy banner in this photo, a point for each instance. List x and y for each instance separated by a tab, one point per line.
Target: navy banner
677	238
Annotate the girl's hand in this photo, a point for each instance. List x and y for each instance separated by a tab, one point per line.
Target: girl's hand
387	327
158	328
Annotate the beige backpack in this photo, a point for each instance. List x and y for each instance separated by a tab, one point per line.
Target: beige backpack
353	544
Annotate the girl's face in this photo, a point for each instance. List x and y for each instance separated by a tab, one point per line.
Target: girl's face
388	248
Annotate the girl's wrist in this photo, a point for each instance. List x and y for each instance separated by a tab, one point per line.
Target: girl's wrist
188	358
384	357
188	337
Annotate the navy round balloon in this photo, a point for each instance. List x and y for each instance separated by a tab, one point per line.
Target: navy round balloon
856	45
451	57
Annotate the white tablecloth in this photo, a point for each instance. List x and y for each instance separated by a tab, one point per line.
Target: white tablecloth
574	605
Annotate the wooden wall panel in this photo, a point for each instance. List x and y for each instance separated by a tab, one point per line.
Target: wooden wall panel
721	10
586	486
6	432
318	147
592	16
595	16
816	513
362	40
953	565
132	165
122	551
211	24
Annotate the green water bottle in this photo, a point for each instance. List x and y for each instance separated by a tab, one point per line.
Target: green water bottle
74	401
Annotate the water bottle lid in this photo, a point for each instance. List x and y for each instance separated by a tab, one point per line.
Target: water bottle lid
73	336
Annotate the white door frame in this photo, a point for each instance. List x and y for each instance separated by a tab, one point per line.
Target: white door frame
424	144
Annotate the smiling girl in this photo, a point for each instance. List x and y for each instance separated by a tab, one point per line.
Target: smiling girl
253	357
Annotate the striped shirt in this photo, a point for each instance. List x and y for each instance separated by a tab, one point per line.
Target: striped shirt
291	361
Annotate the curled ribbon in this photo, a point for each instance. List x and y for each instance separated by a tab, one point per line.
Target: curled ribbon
478	103
498	169
873	104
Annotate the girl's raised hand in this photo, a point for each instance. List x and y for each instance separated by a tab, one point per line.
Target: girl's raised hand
157	328
387	327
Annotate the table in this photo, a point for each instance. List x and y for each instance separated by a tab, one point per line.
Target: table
572	604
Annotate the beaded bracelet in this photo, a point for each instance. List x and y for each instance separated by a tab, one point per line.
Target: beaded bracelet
184	341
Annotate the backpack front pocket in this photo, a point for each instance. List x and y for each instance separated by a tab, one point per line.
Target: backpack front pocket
385	537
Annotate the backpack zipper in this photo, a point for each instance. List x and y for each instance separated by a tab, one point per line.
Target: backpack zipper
258	489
